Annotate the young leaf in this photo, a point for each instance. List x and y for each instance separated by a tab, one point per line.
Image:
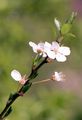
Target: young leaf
65	28
71	18
57	23
71	35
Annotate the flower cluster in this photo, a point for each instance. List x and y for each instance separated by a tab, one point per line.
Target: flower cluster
53	51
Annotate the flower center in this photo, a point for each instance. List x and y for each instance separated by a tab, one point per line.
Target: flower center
39	50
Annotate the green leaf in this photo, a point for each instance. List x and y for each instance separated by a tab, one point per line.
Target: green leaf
71	35
65	28
71	18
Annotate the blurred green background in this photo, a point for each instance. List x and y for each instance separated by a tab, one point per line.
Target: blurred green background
22	21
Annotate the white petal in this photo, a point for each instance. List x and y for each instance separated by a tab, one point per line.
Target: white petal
48	45
34	46
57	76
40	46
60	58
51	54
57	23
55	46
64	50
16	75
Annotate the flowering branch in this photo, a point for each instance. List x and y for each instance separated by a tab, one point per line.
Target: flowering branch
22	90
46	53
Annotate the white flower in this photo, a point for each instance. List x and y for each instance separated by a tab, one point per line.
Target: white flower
41	48
53	51
58	52
57	23
58	76
17	76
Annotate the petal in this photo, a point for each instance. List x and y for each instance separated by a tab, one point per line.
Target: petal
48	45
55	46
16	75
40	46
60	58
34	46
57	76
51	54
64	50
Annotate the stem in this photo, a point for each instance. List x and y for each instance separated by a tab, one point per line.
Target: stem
18	94
36	68
15	96
42	81
43	62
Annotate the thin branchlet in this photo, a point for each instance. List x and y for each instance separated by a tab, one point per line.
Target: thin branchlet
20	92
